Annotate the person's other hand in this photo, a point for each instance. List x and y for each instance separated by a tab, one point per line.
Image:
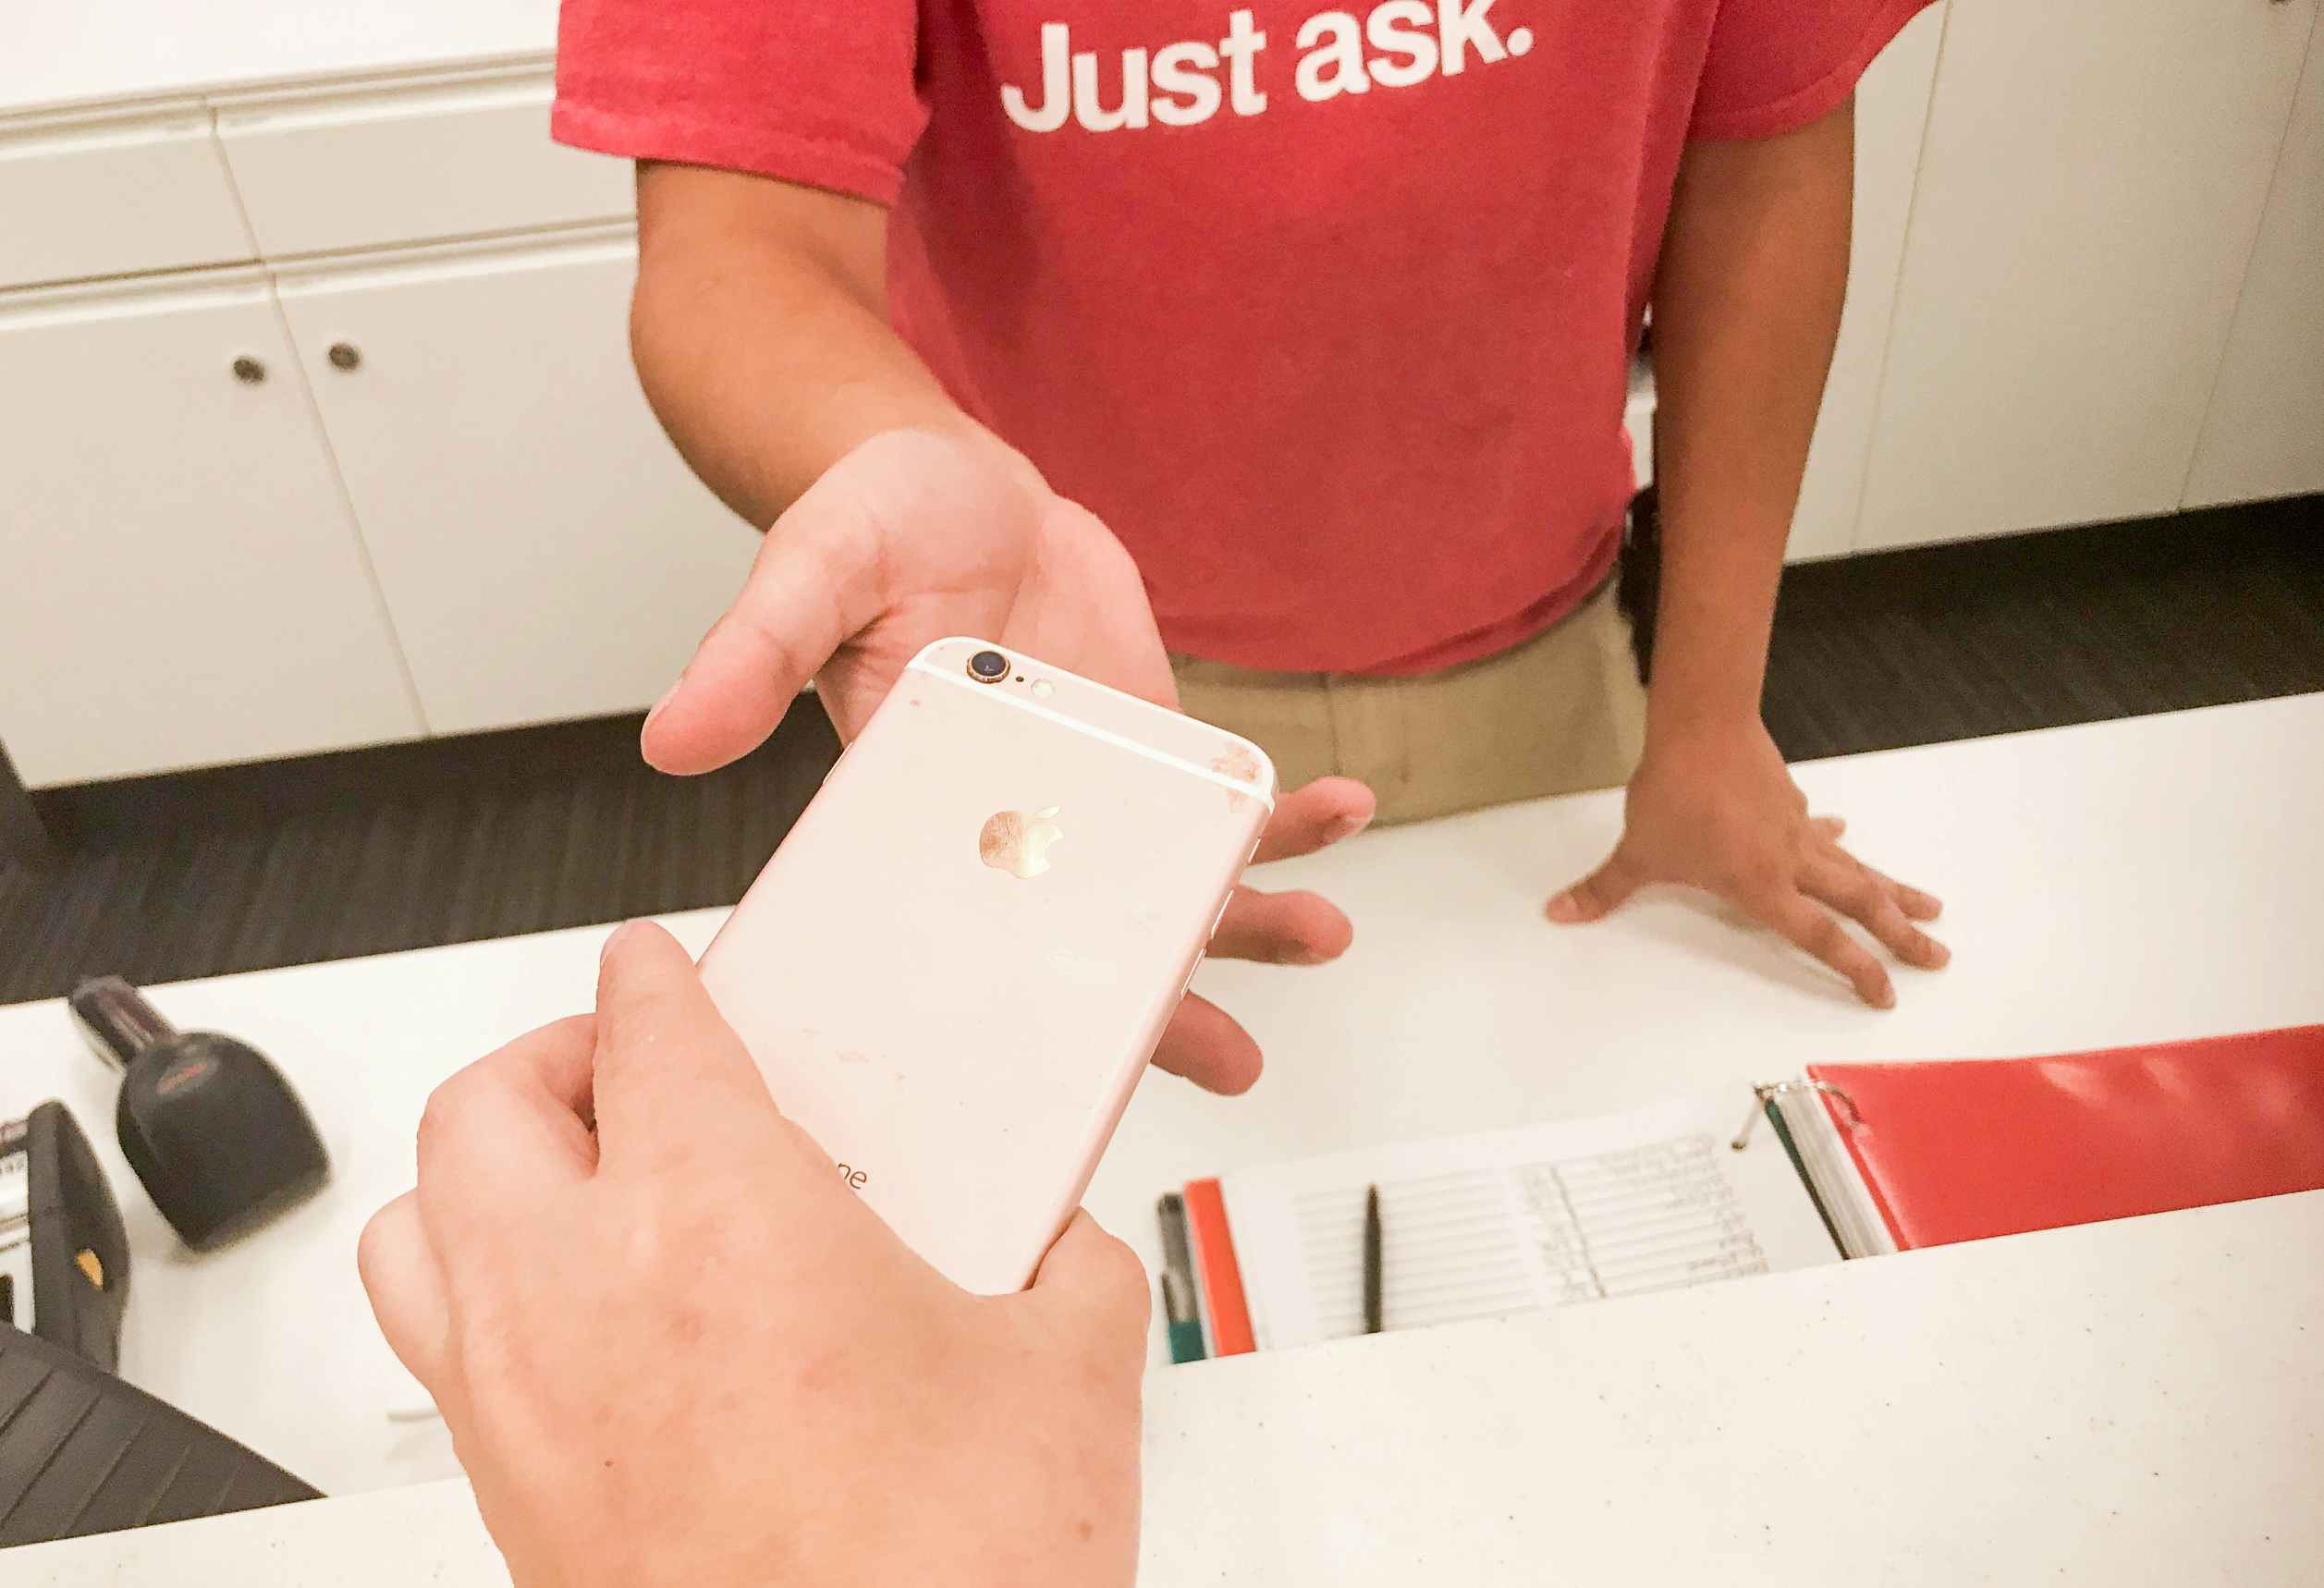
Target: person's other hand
914	537
1720	812
673	1349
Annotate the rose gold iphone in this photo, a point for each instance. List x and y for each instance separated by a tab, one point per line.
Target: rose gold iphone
954	968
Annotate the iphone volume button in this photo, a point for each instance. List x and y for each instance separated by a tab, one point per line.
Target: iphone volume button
1188	985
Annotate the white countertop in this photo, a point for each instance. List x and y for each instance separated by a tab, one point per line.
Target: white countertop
112	52
2114	883
2121	1404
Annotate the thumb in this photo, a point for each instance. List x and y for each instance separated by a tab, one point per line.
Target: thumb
1597	894
407	1289
814	584
668	1071
1095	1285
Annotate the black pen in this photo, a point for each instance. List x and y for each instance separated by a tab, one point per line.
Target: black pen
1372	1260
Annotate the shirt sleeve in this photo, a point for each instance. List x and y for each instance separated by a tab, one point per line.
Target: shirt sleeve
1776	64
817	92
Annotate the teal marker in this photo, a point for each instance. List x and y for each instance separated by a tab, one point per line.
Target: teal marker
1181	1315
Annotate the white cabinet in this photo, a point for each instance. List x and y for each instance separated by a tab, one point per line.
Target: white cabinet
2089	188
1891	109
1638	424
109	194
544	552
2084	287
462	156
182	583
2263	436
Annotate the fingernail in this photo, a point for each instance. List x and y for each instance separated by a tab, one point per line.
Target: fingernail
656	709
1561	907
1885	999
1347	827
604	949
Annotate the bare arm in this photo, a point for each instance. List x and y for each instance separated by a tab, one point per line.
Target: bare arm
1747	300
1754	266
761	336
760	332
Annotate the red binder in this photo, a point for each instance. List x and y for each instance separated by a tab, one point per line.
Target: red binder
1959	1150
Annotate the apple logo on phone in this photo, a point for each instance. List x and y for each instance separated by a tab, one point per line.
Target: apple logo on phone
1018	844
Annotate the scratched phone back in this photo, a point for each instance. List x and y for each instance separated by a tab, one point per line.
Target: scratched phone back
954	968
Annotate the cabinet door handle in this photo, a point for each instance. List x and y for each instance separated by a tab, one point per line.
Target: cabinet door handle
346	356
249	370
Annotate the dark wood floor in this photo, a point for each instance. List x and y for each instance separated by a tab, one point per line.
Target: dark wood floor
197	874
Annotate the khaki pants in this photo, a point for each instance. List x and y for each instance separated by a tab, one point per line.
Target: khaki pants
1562	712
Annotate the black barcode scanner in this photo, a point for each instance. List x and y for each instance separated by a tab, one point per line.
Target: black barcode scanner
209	1124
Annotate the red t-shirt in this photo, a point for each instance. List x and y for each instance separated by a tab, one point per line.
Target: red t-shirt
1327	314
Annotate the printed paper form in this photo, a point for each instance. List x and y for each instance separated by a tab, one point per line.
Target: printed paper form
1544	1215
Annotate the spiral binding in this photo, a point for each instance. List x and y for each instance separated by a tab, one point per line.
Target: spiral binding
1765	1095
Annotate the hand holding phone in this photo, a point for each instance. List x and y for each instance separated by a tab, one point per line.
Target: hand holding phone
954	968
913	535
674	1349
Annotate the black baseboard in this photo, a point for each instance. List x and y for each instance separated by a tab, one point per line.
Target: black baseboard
2039	630
244	867
198	874
2046	566
24	836
2288	530
481	766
